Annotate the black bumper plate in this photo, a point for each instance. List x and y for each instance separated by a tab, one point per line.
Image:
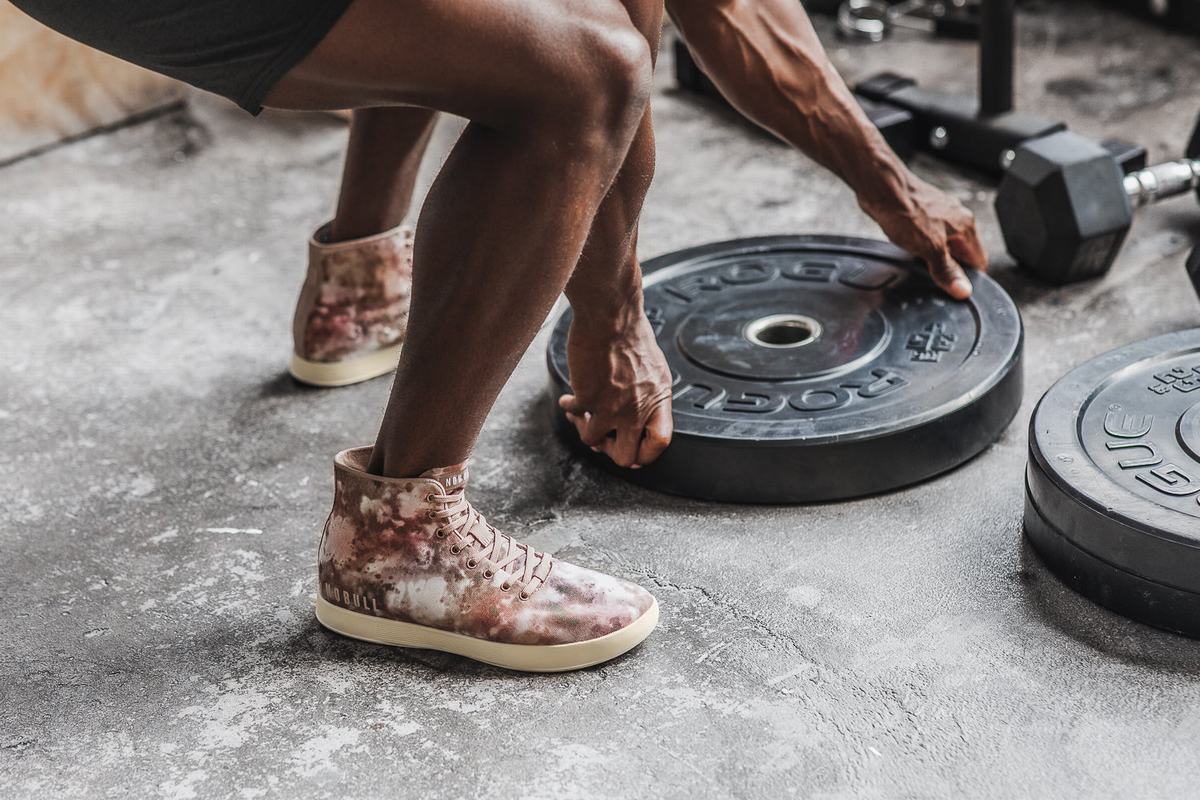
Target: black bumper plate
813	368
1113	483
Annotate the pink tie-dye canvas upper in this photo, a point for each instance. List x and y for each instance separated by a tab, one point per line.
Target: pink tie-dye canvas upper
380	555
356	297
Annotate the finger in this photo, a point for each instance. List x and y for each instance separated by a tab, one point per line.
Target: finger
947	274
624	449
580	421
570	403
966	246
657	435
607	445
584	424
596	433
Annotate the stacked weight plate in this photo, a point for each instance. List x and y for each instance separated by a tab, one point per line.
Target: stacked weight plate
1113	482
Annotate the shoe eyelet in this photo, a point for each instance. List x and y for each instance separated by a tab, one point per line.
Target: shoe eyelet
429	514
487	573
472	563
440	533
428	498
523	596
455	549
504	587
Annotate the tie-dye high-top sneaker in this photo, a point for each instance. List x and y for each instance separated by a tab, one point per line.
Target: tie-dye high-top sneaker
412	563
353	308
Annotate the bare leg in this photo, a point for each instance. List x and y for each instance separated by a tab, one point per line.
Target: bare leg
385	152
554	90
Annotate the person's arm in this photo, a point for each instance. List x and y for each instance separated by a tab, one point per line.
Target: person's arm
766	59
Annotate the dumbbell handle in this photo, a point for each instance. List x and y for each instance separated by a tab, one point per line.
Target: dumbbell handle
1158	181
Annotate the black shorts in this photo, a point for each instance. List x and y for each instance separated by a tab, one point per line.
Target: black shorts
235	48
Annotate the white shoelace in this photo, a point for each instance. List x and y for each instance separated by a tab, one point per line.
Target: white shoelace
486	545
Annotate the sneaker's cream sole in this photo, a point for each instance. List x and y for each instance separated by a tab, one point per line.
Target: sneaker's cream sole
344	373
524	657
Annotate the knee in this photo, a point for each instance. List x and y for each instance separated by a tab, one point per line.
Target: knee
624	69
609	86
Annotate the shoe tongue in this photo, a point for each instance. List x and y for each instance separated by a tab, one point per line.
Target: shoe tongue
452	479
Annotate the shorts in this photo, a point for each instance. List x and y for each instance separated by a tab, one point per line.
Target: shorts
238	49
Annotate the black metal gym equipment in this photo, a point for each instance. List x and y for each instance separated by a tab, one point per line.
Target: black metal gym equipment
874	20
979	132
1065	206
1175	15
1193	269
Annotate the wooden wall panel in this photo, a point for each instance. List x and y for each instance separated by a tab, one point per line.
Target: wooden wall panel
52	88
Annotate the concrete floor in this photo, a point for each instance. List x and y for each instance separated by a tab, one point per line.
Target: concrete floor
163	483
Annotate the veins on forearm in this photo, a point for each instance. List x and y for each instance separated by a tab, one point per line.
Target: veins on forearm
767	61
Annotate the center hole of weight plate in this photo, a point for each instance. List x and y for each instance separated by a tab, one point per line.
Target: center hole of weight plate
783	330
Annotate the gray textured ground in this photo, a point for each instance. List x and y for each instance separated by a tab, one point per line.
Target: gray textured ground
906	645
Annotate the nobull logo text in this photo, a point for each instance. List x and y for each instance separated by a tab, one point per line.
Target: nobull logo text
347	599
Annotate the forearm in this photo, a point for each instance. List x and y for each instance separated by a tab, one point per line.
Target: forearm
766	59
605	290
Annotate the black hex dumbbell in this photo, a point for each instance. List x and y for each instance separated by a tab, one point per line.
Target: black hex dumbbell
1065	205
1193	269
